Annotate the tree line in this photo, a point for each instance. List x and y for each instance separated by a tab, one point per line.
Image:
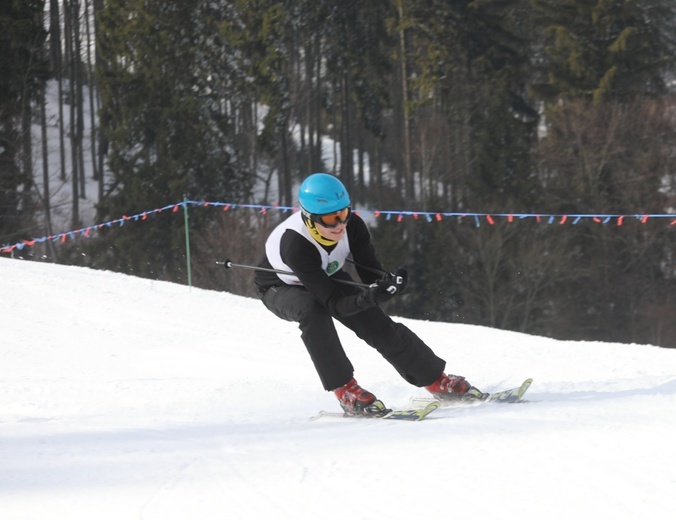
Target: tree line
505	106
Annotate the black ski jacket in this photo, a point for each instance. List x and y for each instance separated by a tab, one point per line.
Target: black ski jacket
304	260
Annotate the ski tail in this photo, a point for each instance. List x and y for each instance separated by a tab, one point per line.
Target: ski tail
512	395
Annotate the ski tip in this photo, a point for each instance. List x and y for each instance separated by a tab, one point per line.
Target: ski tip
526	384
523	389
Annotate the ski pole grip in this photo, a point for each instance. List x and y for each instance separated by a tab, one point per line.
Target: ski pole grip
226	263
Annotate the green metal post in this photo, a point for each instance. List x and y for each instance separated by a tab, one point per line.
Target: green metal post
187	239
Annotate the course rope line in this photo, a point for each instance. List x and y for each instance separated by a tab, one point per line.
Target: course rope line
398	215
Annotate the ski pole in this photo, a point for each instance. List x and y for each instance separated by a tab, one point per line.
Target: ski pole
229	265
379	272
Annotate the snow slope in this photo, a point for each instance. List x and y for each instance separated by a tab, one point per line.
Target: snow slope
125	398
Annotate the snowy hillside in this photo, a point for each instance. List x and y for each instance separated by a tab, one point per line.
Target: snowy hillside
123	398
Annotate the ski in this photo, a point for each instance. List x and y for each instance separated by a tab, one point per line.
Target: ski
423	406
412	414
512	395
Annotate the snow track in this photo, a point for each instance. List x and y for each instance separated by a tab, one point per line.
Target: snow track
125	398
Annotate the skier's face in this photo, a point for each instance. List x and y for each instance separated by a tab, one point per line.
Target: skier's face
332	233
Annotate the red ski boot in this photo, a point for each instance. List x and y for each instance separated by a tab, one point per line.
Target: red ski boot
356	401
454	388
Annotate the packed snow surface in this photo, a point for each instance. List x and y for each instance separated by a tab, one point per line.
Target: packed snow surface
124	398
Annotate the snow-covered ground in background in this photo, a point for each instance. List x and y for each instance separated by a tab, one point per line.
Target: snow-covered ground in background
61	189
124	398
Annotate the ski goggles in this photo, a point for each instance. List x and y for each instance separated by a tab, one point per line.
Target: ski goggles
331	220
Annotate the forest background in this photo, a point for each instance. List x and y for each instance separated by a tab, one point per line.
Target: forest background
539	107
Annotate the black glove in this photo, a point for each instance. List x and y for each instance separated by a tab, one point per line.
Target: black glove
400	278
382	291
391	285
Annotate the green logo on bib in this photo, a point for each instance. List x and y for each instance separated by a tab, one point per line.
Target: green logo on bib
332	267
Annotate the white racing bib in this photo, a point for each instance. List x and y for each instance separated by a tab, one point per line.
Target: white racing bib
331	262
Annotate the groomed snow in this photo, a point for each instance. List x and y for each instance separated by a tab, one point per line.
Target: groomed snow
123	398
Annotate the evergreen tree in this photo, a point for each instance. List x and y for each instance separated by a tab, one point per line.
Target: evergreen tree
604	49
23	73
167	115
260	38
607	149
474	64
612	158
355	44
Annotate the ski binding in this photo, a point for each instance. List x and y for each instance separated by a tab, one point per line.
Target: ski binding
411	414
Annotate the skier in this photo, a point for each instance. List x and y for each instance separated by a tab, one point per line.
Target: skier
314	244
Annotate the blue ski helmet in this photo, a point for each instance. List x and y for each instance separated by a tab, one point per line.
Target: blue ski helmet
322	193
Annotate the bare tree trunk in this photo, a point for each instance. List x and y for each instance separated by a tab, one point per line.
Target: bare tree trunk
346	161
375	184
27	150
92	91
336	133
79	95
406	124
318	159
70	59
361	186
309	110
46	193
302	99
56	59
62	128
254	136
54	36
103	145
45	161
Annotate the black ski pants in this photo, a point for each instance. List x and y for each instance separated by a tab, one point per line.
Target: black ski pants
403	349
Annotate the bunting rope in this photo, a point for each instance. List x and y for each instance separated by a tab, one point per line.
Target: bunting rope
398	215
